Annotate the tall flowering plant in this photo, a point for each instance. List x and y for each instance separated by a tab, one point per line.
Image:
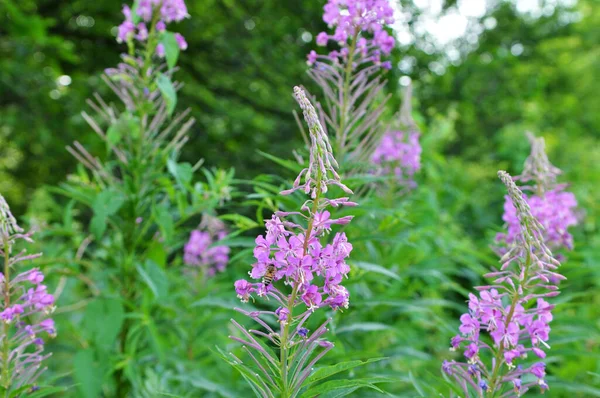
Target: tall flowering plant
202	253
25	309
350	77
550	203
399	151
138	194
509	320
297	269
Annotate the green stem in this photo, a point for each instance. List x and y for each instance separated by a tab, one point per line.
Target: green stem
5	345
137	168
496	379
340	136
290	305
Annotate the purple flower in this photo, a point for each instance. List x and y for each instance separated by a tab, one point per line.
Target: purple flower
312	298
469	325
510	355
202	252
144	10
471	351
455	342
35	276
147	10
296	265
10	313
303	332
543	310
555	210
447	367
47	325
506	311
142	32
353	20
399	153
181	42
538	332
551	205
262	250
311	58
539	352
322	39
24	309
508	336
243	289
538	369
483	385
173	10
126	29
160	50
283	314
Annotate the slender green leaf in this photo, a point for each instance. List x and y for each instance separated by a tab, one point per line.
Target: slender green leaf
328	371
155	278
103	319
164	220
378	269
168	92
335	385
364	327
171	48
87	374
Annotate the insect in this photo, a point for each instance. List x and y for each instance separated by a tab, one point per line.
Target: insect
269	275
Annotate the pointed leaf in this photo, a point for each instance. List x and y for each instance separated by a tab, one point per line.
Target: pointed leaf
171	48
328	371
168	92
87	374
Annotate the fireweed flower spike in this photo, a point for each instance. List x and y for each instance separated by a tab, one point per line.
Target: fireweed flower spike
312	271
349	76
550	204
151	16
509	321
399	151
201	253
25	307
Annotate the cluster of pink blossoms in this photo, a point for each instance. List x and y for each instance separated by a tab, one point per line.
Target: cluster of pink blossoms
550	204
299	259
294	250
157	12
24	311
295	253
201	251
554	209
351	19
399	152
512	311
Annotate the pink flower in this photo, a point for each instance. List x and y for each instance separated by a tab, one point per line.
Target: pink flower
243	289
283	314
160	50
312	298
399	153
471	351
469	325
181	42
538	331
322	39
508	336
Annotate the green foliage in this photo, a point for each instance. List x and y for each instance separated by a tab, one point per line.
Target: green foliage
130	321
168	92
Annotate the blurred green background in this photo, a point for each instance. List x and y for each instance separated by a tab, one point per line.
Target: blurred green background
483	73
499	72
